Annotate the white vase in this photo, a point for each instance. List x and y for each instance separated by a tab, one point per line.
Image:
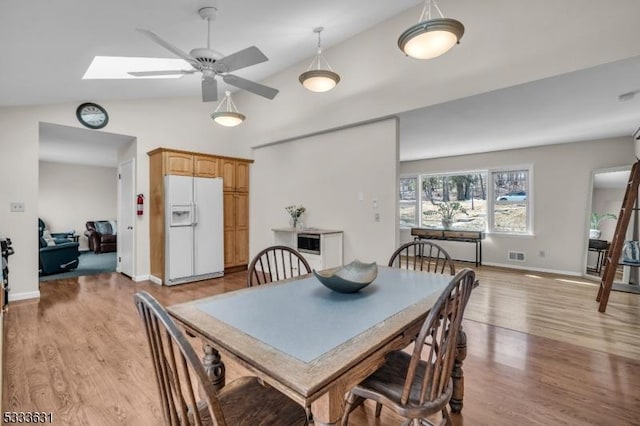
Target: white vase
594	234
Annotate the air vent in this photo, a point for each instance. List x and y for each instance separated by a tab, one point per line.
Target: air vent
517	256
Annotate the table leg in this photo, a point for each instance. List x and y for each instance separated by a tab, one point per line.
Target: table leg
213	365
457	374
327	410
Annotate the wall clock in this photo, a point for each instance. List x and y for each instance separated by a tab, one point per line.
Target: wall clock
92	115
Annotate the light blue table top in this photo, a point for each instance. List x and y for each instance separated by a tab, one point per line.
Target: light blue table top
305	320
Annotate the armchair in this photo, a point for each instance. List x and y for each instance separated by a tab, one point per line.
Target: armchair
101	235
56	254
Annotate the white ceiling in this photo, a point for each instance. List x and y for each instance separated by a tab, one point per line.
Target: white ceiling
58	39
52	43
611	180
65	144
577	106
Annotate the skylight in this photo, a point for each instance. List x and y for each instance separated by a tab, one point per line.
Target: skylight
117	67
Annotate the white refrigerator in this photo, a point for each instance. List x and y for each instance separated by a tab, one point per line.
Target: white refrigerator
194	230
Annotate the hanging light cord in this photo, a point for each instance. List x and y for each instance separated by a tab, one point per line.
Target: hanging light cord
319	59
228	103
426	10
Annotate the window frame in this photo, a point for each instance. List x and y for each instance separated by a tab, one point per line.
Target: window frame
491	197
491	206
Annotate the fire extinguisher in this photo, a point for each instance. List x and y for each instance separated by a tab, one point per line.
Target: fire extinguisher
140	205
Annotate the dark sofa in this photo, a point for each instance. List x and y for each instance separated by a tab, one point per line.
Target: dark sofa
59	254
101	235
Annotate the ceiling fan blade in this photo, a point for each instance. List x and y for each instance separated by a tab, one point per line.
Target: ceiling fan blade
251	86
153	73
209	90
241	59
170	47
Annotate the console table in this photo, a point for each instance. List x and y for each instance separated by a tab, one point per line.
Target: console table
474	237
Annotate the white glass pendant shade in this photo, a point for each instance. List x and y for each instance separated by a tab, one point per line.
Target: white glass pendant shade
319	80
228	118
430	38
319	77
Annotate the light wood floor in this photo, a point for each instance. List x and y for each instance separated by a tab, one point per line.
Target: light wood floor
539	352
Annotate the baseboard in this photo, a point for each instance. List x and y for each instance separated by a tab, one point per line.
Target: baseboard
534	269
154	279
13	297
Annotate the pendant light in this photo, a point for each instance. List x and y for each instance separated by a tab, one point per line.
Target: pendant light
229	116
430	37
316	78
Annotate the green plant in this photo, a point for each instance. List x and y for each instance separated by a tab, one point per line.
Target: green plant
447	210
597	218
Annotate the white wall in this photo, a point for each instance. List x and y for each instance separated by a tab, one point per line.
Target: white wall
561	199
71	194
325	173
181	123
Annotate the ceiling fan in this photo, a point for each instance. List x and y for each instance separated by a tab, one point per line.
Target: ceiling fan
211	63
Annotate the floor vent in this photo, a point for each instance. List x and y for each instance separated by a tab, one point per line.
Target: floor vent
517	256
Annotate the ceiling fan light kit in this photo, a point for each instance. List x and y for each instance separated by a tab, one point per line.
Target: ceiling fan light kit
430	38
229	116
317	78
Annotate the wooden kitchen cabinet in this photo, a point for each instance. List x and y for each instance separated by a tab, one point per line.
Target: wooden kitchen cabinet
235	174
205	166
235	177
178	163
236	229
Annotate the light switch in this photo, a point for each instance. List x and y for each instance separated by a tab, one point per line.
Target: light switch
360	196
374	203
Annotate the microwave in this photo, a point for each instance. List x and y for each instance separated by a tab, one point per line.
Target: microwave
309	243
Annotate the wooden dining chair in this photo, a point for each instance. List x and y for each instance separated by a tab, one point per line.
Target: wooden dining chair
419	385
276	263
422	255
181	378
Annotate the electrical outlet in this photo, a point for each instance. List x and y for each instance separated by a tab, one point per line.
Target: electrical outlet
376	217
17	207
541	253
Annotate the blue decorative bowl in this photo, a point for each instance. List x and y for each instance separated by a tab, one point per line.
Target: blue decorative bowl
349	278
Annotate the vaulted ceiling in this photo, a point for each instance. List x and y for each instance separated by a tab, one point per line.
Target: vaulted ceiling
529	87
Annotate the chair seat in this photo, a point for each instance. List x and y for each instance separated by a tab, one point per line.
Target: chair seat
246	402
385	385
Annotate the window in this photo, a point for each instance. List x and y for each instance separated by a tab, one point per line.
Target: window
468	189
408	202
511	207
494	200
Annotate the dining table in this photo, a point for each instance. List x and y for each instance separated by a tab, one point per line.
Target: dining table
311	343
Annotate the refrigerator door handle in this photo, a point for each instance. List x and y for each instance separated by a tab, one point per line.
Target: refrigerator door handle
194	206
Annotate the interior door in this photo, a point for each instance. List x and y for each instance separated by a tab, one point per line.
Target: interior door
126	217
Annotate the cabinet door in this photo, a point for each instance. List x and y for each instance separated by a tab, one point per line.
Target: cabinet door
242	211
242	176
177	163
242	247
229	211
229	174
229	229
205	166
229	248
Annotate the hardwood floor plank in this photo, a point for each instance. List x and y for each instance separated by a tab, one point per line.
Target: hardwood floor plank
548	356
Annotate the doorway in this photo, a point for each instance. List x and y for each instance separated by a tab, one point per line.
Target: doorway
79	184
608	191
